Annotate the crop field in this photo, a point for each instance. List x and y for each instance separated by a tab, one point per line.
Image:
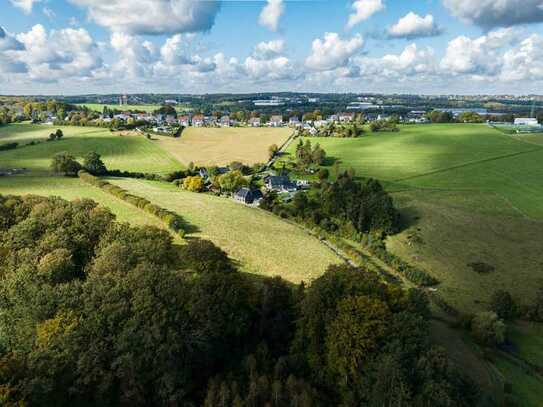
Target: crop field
73	188
221	146
469	193
259	241
128	153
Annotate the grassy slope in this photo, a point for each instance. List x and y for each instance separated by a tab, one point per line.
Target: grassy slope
473	193
73	188
261	242
220	146
119	152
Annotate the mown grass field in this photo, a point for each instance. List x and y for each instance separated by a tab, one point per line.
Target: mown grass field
128	153
221	146
259	241
470	193
73	188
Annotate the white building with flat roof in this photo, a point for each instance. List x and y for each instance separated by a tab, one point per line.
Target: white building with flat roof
526	121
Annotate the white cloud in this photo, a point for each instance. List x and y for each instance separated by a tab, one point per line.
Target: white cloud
363	10
524	62
271	14
333	52
268	50
266	63
481	56
136	57
414	26
496	13
50	14
9	49
62	54
25	5
153	17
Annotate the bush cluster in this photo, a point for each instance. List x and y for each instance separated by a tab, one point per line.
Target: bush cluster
413	274
173	220
8	146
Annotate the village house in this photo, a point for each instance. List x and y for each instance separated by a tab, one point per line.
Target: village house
247	196
254	122
198	120
346	117
183	121
280	184
276	121
225	121
294	122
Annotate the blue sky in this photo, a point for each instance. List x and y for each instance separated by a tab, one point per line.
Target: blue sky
197	46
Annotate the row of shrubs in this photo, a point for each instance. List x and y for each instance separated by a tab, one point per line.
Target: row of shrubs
8	146
415	275
137	175
174	221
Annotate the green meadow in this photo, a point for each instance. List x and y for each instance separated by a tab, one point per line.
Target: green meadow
469	193
123	152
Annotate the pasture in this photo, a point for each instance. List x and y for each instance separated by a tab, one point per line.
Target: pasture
221	146
73	188
129	153
469	193
259	241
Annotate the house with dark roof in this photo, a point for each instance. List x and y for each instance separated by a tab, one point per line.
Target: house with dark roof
247	196
280	184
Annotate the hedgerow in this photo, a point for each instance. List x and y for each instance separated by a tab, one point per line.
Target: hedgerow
173	220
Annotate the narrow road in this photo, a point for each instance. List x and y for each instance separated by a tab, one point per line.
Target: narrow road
282	149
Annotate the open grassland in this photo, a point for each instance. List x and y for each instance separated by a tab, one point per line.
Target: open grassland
448	231
469	194
74	188
130	153
221	146
259	241
98	107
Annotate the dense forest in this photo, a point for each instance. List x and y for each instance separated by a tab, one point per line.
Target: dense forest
95	312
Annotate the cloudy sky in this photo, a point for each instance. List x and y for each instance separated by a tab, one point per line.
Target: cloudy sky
208	46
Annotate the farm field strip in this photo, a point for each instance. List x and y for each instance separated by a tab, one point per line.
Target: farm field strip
221	146
261	242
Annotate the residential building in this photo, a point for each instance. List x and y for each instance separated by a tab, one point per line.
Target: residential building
276	121
525	121
280	184
254	122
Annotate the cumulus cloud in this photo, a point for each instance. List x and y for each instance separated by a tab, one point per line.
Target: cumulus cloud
267	63
496	13
363	10
271	14
333	52
414	26
524	62
9	49
59	54
479	56
268	50
152	17
135	57
25	5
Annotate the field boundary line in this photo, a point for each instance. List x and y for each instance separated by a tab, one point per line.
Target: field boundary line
468	164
